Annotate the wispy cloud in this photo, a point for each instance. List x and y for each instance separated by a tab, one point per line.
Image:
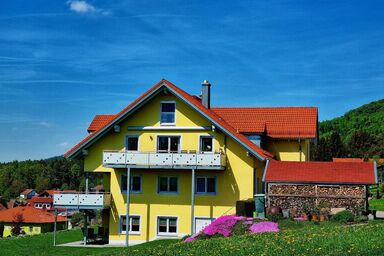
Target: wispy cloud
45	124
63	144
85	7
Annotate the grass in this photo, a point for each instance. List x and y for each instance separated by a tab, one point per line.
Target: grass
295	238
376	204
42	245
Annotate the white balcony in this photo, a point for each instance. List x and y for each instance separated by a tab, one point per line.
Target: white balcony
82	200
123	159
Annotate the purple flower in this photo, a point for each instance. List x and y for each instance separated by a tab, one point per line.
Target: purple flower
192	237
222	225
248	222
265	226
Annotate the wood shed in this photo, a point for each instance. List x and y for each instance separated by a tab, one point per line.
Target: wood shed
295	185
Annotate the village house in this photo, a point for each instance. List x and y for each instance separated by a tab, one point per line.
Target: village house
172	163
28	194
32	221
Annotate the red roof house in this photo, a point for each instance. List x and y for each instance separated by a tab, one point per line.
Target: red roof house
29	215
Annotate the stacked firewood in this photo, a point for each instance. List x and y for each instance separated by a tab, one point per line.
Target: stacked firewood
293	196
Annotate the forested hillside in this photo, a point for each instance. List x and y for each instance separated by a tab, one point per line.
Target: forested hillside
358	133
53	173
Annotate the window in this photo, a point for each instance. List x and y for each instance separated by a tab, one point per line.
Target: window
168	110
206	144
38	205
168	144
132	143
166	225
134	224
30	230
206	185
135	183
167	185
36	229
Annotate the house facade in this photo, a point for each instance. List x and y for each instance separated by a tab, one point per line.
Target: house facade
185	163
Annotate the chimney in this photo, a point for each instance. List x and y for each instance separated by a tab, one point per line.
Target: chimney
206	94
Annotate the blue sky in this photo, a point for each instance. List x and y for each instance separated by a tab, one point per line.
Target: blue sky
62	62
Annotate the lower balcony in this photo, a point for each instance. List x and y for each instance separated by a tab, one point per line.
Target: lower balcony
187	160
82	200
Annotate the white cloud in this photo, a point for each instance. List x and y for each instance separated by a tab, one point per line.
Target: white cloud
45	124
63	144
85	7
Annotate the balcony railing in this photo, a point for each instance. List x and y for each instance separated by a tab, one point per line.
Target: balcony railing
122	159
82	200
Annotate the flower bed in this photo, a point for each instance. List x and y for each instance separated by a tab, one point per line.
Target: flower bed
230	224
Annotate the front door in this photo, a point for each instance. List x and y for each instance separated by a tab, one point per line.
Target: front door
201	223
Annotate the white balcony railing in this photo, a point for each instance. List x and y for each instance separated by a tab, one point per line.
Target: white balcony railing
82	200
121	159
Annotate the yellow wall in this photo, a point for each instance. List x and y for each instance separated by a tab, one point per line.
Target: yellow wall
234	183
288	150
36	229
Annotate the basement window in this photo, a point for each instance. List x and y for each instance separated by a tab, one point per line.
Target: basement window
134	224
166	225
168	112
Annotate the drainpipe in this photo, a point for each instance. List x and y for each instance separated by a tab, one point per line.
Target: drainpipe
128	201
193	203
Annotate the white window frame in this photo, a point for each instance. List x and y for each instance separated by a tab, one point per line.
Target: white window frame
161	112
124	190
132	136
206	186
167	233
168	185
169	142
200	144
130	232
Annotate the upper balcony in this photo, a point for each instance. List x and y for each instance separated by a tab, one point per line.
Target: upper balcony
183	160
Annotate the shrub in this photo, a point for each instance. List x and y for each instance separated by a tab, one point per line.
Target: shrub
361	218
239	229
275	217
343	216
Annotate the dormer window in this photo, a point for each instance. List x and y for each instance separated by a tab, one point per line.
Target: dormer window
168	110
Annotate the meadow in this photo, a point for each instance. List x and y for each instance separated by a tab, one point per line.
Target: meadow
295	238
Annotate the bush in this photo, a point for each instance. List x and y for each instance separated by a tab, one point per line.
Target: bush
239	229
275	217
77	219
343	216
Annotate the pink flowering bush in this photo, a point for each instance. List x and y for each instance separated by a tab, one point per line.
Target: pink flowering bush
225	225
264	226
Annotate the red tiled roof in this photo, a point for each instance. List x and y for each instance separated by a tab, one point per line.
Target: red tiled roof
196	103
52	192
277	122
348	160
320	172
99	121
26	192
30	215
38	199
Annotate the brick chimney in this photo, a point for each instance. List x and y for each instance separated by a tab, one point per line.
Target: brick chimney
206	94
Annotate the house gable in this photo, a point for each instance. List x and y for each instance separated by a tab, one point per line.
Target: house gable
167	87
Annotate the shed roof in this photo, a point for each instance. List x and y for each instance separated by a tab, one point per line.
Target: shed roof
321	172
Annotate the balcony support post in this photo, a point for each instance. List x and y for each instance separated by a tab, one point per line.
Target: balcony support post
193	202
86	182
128	201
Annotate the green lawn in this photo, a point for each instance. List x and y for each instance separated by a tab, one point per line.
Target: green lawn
295	238
376	204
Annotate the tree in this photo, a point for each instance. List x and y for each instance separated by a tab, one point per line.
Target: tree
16	224
336	145
360	144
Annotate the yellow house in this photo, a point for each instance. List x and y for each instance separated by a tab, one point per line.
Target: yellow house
31	221
185	163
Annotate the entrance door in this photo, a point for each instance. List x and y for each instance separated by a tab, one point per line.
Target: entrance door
201	223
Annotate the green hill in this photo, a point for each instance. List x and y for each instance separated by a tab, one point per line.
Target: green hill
368	118
358	133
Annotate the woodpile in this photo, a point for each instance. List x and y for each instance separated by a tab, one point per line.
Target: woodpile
299	196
